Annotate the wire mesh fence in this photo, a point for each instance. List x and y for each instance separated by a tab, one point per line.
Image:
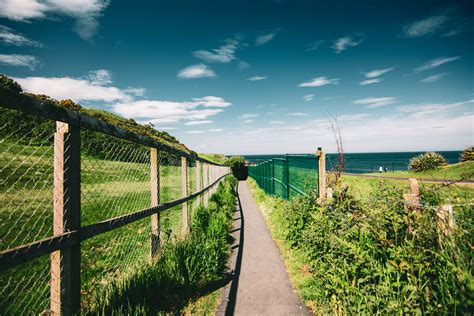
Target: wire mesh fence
287	177
116	196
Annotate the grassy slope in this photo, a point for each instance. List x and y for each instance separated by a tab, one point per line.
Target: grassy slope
216	158
462	170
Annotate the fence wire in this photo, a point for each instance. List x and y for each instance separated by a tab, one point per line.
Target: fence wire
115	180
287	177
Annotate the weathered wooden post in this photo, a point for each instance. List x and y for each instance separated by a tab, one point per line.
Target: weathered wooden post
155	201
198	181
446	219
184	191
321	172
206	184
412	199
65	291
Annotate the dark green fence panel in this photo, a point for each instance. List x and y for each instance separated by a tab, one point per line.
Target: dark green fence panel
287	177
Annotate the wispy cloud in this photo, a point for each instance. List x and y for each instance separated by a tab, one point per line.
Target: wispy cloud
315	45
196	132
257	78
277	122
341	44
249	121
19	60
375	102
426	26
100	77
421	110
11	37
202	122
196	71
433	78
300	114
318	82
263	39
436	63
308	97
249	115
370	81
85	12
223	54
378	72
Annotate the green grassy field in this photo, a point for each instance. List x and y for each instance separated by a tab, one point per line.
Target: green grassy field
458	171
109	188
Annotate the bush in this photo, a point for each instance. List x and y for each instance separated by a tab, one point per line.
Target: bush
467	154
427	161
235	161
185	270
364	257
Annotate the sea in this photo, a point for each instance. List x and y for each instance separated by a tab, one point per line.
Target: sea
367	162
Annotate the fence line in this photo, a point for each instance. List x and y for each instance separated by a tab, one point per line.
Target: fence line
292	175
102	183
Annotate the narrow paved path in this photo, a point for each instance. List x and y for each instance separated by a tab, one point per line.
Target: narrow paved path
260	283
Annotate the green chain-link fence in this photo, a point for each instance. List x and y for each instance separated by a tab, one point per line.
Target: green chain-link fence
287	177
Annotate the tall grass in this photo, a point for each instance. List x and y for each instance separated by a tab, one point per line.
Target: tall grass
363	257
185	270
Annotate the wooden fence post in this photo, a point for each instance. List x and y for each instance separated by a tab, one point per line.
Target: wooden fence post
198	181
446	219
205	178
65	291
321	172
155	201
412	199
184	191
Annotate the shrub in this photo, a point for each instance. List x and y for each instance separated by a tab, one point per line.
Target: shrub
236	161
427	161
467	154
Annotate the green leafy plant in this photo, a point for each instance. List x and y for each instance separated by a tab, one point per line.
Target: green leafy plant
467	154
235	161
427	161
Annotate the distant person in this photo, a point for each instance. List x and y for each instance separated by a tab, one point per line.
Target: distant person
385	169
381	169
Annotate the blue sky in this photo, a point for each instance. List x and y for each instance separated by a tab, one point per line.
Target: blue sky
243	77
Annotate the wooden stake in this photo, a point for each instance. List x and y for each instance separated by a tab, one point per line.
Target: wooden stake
155	201
321	172
65	291
198	182
184	192
446	219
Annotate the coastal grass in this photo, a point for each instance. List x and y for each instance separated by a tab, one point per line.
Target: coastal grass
456	172
109	188
358	254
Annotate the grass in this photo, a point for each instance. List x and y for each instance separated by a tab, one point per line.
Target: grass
110	187
216	158
364	253
458	171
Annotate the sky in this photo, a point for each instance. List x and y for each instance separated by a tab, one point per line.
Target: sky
257	77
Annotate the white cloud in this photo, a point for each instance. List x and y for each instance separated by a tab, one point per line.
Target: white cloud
195	132
100	77
249	115
11	37
249	121
370	81
138	92
196	71
421	110
341	44
436	63
277	122
432	78
308	97
378	72
263	39
19	60
72	88
375	102
426	26
257	78
191	123
298	114
161	112
85	12
223	54
318	82
215	130
315	45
